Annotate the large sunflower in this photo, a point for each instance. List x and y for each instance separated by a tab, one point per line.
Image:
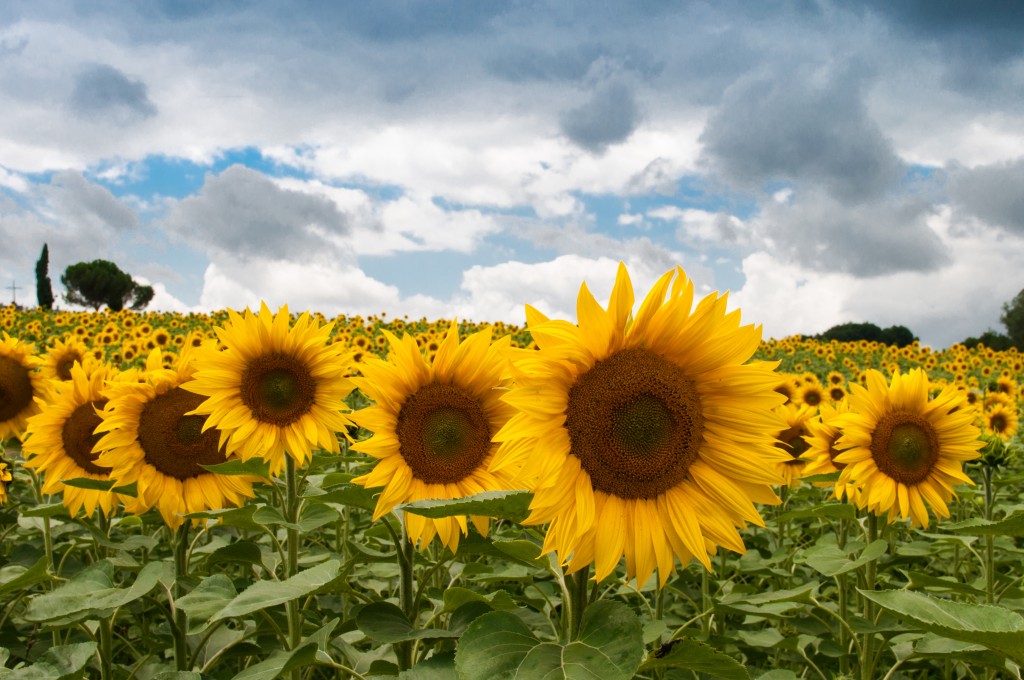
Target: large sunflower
432	423
645	437
903	450
151	439
274	388
59	441
20	384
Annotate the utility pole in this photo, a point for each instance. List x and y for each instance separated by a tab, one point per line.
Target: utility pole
14	294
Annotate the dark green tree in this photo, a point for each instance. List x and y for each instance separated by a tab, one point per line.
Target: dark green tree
44	291
1013	319
100	282
901	336
991	339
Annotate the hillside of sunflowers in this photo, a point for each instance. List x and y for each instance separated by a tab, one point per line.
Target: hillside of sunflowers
648	490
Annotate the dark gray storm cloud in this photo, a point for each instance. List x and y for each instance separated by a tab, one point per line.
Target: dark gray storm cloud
798	128
100	90
242	212
608	117
992	193
870	239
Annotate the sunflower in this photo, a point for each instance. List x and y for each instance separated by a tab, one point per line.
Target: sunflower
821	448
810	394
432	423
151	439
903	450
59	441
1001	420
643	437
792	440
274	388
5	480
20	385
61	356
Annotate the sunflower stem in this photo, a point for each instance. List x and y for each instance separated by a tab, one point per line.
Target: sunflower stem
291	515
870	574
579	597
706	606
180	628
406	594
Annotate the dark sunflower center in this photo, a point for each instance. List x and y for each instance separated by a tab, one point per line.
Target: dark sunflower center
997	422
812	397
173	442
66	363
905	447
636	424
278	389
79	438
833	452
15	388
792	441
443	433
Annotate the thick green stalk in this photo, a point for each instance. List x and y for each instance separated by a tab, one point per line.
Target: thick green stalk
990	567
867	666
579	592
291	515
180	628
406	595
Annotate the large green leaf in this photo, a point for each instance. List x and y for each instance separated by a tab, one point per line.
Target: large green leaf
499	646
437	667
1012	525
510	505
263	594
16	577
206	599
92	593
57	663
384	622
823	511
997	628
696	656
283	661
831	560
256	467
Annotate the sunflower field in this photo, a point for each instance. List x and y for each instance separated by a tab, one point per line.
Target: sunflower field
650	490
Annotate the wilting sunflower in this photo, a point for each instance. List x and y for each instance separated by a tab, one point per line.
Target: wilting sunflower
57	362
645	437
274	388
432	423
903	450
5	480
150	438
59	441
793	440
20	384
821	448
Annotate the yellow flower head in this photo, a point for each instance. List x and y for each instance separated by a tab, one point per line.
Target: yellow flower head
20	386
646	436
822	451
793	440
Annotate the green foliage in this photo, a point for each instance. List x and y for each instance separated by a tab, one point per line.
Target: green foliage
44	290
101	282
991	339
900	336
1013	318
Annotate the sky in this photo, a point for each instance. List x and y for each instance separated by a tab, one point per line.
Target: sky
824	162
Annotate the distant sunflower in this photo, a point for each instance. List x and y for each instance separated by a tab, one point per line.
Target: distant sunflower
643	437
1001	420
836	394
821	448
20	385
5	480
275	388
62	355
793	441
151	439
432	423
903	450
811	394
59	442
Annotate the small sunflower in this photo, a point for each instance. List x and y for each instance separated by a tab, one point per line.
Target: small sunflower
59	442
5	480
1001	420
903	450
793	441
643	437
275	388
821	448
432	422
152	439
20	385
62	355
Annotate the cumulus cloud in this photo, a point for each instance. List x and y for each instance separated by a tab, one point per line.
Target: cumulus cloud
811	128
243	212
72	198
102	91
610	116
993	193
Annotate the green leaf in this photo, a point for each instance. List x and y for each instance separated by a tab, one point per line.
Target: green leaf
765	637
384	622
510	505
263	594
824	478
1012	525
315	516
240	518
254	466
16	577
455	597
832	560
50	510
207	599
997	628
835	510
437	667
283	661
499	646
243	552
698	657
351	494
178	675
936	584
92	593
90	483
56	663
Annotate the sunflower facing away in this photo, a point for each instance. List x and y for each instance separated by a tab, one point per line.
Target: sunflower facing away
59	441
645	437
432	423
148	437
903	450
20	384
275	388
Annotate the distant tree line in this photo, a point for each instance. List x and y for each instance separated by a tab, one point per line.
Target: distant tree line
1013	319
900	336
92	284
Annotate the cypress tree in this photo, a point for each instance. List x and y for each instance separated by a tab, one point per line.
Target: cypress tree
44	291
